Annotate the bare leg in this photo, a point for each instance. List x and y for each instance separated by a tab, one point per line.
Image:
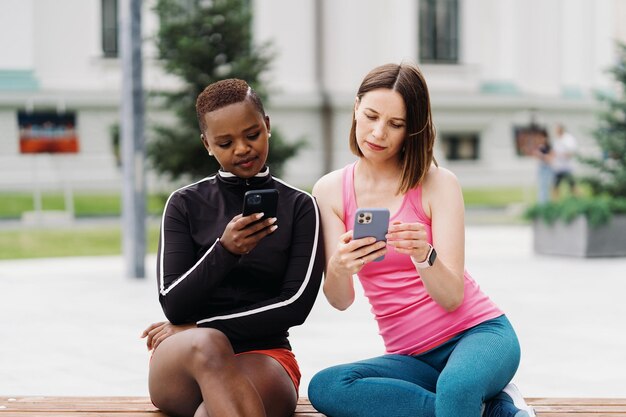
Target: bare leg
272	382
198	366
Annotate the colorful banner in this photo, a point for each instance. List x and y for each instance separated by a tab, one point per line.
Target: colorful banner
47	132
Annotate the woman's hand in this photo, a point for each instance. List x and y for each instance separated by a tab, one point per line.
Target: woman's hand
158	332
352	254
410	239
242	234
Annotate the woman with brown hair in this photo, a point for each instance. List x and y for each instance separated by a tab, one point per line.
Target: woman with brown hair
450	351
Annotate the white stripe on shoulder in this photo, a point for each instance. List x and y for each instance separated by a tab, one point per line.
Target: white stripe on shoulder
162	289
305	282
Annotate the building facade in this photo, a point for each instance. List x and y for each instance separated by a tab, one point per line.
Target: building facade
492	66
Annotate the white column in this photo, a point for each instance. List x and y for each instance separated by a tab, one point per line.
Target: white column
575	46
489	40
16	35
290	27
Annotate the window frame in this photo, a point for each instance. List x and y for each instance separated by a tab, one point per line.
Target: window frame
439	31
453	141
110	28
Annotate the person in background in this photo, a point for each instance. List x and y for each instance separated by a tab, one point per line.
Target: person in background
450	351
545	174
563	152
230	285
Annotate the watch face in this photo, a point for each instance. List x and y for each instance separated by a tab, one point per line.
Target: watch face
432	257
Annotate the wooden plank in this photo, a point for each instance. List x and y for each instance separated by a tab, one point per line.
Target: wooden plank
142	407
577	401
100	407
39	413
579	407
75	404
577	414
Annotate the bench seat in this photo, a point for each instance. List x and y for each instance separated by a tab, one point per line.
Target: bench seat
142	407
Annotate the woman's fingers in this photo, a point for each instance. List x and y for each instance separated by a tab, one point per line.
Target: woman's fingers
365	252
398	231
150	328
242	234
380	249
154	332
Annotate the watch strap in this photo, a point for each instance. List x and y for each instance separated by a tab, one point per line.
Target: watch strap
430	258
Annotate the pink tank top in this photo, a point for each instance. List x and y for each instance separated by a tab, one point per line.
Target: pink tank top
409	320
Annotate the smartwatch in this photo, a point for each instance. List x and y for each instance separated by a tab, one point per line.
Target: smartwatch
430	259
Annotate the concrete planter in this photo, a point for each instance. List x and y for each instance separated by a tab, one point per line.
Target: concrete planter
578	238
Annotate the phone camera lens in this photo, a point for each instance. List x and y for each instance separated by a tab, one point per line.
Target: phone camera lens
254	199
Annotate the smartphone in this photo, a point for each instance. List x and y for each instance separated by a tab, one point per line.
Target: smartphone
370	222
260	201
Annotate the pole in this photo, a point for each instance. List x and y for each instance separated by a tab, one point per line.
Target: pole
326	109
132	140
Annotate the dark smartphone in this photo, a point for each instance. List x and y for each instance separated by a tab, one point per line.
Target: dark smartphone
260	201
370	222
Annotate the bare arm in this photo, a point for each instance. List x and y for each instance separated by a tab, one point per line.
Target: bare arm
344	256
444	280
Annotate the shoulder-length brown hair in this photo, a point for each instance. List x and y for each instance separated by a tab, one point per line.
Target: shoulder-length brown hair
417	154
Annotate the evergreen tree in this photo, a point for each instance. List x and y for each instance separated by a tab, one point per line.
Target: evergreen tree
203	41
608	177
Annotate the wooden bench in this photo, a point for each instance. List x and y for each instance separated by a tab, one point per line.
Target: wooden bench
142	407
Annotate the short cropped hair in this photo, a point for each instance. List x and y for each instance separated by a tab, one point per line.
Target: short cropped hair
223	93
408	81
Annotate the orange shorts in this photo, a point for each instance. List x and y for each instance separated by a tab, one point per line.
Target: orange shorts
287	360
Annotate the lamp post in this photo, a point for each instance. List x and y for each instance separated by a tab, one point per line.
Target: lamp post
132	140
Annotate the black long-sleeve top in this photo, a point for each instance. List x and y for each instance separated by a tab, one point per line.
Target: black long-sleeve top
254	298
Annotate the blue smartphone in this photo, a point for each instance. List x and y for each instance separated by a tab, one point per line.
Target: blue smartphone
371	222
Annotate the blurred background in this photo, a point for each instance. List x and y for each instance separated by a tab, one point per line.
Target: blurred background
491	65
496	69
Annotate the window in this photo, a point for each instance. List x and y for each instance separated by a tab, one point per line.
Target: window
109	28
460	146
530	139
439	31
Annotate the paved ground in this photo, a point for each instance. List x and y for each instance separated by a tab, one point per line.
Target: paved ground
71	326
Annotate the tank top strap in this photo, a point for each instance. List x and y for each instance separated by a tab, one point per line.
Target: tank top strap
415	201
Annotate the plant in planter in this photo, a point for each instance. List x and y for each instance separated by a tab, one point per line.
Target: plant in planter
594	225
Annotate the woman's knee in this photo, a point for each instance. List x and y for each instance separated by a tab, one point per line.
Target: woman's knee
210	349
326	384
454	394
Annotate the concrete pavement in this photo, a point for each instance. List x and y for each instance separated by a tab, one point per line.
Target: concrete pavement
71	326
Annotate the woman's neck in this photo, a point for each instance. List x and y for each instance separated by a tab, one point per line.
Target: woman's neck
379	172
376	185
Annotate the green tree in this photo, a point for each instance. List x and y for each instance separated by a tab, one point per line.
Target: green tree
608	177
203	41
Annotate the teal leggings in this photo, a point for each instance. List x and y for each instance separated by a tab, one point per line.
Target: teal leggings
451	380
